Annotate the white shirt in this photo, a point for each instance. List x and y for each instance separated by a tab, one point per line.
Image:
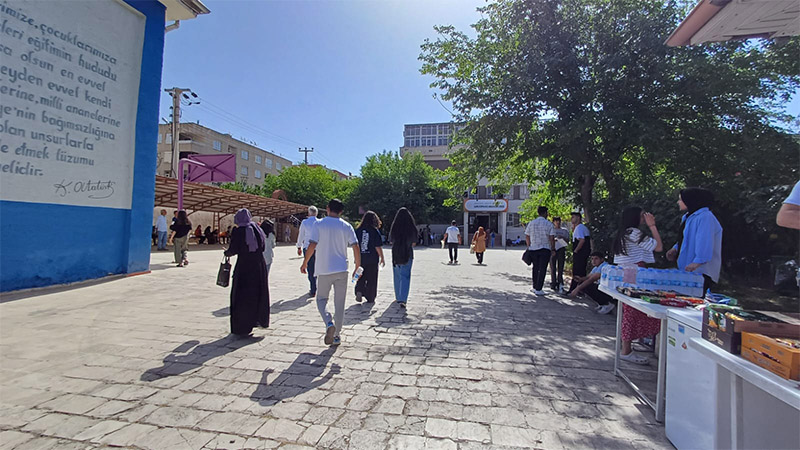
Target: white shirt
268	248
161	223
636	251
581	232
333	236
539	231
305	232
561	236
452	234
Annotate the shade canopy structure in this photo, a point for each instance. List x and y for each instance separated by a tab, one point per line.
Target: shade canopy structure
723	20
201	197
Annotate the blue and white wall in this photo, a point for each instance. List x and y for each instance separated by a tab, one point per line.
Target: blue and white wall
79	96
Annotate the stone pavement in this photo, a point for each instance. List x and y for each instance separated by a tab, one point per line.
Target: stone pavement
476	361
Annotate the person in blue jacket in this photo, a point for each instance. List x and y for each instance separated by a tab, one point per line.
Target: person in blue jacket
699	246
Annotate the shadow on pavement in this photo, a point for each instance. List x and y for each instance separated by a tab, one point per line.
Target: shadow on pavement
290	305
517	278
358	312
222	312
307	372
177	363
393	316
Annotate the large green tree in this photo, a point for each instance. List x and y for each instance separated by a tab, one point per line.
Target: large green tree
389	182
584	94
302	184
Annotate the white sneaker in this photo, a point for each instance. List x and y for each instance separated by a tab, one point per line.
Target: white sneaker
539	292
605	309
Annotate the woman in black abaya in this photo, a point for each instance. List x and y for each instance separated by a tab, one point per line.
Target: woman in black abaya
249	293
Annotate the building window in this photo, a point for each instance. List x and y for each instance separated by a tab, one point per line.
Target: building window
159	138
258	173
218	146
277	165
523	192
258	159
244	170
513	220
168	139
268	163
245	155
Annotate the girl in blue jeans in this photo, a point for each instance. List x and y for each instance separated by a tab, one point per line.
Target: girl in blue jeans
404	238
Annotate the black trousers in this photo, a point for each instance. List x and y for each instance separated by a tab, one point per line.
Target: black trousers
367	284
557	267
480	257
579	262
541	259
452	249
600	297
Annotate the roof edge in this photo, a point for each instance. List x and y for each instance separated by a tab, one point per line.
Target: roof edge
697	19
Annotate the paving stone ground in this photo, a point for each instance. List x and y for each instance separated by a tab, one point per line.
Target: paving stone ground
476	361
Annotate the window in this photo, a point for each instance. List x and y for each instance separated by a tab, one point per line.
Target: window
523	192
168	139
512	220
258	173
268	163
159	138
218	146
277	165
258	159
244	170
245	155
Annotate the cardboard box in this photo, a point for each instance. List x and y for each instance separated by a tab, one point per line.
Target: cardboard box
766	363
780	353
718	331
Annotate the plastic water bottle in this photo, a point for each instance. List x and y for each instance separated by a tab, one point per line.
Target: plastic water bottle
357	275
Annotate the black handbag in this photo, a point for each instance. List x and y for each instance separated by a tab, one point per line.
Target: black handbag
527	257
224	274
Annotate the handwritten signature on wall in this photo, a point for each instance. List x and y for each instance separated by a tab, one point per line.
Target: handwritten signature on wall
97	190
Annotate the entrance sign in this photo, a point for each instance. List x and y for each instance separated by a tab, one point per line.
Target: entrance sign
69	90
487	205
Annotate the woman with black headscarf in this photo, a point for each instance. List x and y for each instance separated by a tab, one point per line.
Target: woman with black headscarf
249	293
699	246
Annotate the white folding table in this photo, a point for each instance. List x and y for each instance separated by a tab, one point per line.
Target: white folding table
657	312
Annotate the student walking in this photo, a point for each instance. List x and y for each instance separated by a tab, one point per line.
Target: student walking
561	237
453	237
581	247
303	236
161	229
249	292
369	241
538	236
180	238
403	234
479	244
329	239
268	227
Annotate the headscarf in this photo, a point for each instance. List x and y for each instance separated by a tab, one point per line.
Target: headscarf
481	231
245	220
694	198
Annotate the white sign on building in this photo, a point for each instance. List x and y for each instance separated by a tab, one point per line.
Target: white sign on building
69	88
486	205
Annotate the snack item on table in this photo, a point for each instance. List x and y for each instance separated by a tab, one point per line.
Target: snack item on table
668	294
678	303
691	300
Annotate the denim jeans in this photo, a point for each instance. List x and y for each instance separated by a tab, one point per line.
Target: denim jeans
312	280
402	281
162	240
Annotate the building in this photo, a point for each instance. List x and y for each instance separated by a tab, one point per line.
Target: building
339	175
85	175
252	163
483	207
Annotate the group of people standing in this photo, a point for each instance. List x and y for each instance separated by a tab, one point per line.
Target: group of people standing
699	249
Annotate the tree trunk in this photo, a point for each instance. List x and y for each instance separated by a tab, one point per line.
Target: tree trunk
587	186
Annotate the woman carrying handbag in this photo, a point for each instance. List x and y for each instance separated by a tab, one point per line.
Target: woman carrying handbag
249	293
479	244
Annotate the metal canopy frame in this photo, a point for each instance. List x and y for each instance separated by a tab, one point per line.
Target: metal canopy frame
201	197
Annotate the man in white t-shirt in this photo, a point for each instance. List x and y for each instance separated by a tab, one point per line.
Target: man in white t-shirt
581	247
789	214
542	245
453	237
329	240
302	247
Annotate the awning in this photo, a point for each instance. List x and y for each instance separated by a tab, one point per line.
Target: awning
723	20
184	9
201	197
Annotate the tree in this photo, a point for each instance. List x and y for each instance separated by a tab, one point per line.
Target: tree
389	182
583	94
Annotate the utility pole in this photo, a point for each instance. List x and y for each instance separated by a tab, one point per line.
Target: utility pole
306	151
176	94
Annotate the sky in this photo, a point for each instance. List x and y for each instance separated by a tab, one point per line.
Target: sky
339	76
